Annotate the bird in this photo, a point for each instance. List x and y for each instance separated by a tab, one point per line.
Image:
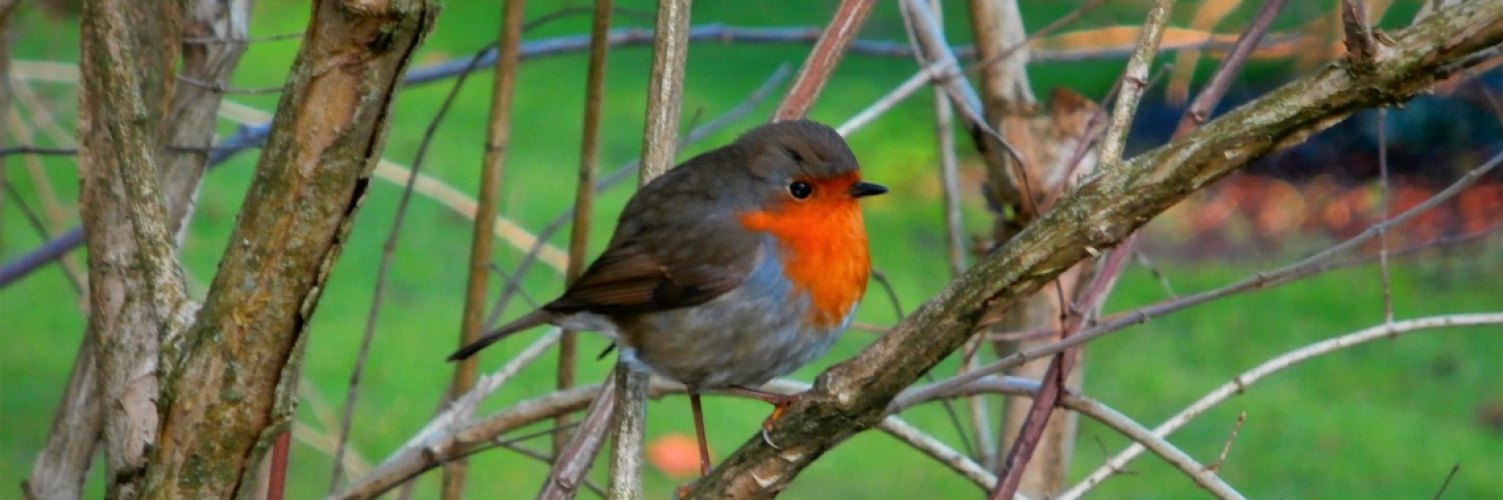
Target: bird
739	265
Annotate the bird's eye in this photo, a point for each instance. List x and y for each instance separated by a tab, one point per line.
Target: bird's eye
800	189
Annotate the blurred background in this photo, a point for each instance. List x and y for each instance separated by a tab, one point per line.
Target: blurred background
1386	420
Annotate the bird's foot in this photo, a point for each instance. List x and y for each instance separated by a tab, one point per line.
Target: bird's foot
780	403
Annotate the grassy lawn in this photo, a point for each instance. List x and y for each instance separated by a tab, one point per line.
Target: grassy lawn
1388	419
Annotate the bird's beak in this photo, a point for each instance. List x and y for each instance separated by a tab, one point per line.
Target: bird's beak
861	189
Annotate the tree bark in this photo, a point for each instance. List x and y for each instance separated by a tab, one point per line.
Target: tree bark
1055	147
851	396
215	35
136	293
60	468
235	387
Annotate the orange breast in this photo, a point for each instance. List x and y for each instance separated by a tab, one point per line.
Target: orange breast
824	249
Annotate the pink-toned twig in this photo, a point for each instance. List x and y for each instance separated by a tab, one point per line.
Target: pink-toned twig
849	17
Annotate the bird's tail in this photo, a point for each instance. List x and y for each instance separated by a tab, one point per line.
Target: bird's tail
532	319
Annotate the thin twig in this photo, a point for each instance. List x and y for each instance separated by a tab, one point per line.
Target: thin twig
930	35
938	450
1153	270
584	194
511	444
1096	410
1447	483
205	40
1143	438
1226	449
1134	83
388	253
1261	279
35	221
52	206
1221	80
665	90
1241	382
949	176
482	236
57	215
37	151
442	441
948	164
574	460
938	70
943	69
1383	206
221	88
1361	46
838	34
1034	54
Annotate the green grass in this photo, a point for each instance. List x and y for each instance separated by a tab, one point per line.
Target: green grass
1386	419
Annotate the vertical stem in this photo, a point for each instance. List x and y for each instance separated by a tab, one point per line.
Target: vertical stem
944	136
670	46
276	486
1134	83
584	195
1383	204
628	423
498	139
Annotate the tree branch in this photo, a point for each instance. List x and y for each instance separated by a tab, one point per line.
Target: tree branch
827	51
233	391
1106	207
1239	383
136	289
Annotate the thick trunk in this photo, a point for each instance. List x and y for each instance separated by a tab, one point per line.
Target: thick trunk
232	393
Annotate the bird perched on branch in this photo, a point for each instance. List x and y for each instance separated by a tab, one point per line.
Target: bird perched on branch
740	265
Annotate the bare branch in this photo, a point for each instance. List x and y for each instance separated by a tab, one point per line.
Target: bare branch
937	450
849	16
1239	383
1134	83
574	460
136	289
1361	46
1305	267
1202	475
482	236
1102	210
1447	483
234	390
388	252
61	466
665	90
1001	43
1226	449
584	194
1206	101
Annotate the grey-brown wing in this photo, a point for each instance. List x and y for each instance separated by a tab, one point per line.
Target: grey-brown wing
678	260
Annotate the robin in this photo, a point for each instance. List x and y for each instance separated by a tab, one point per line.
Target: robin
737	266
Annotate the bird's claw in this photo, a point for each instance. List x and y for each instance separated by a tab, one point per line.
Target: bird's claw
767	436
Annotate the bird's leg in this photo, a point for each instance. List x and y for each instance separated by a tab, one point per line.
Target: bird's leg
699	432
779	402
